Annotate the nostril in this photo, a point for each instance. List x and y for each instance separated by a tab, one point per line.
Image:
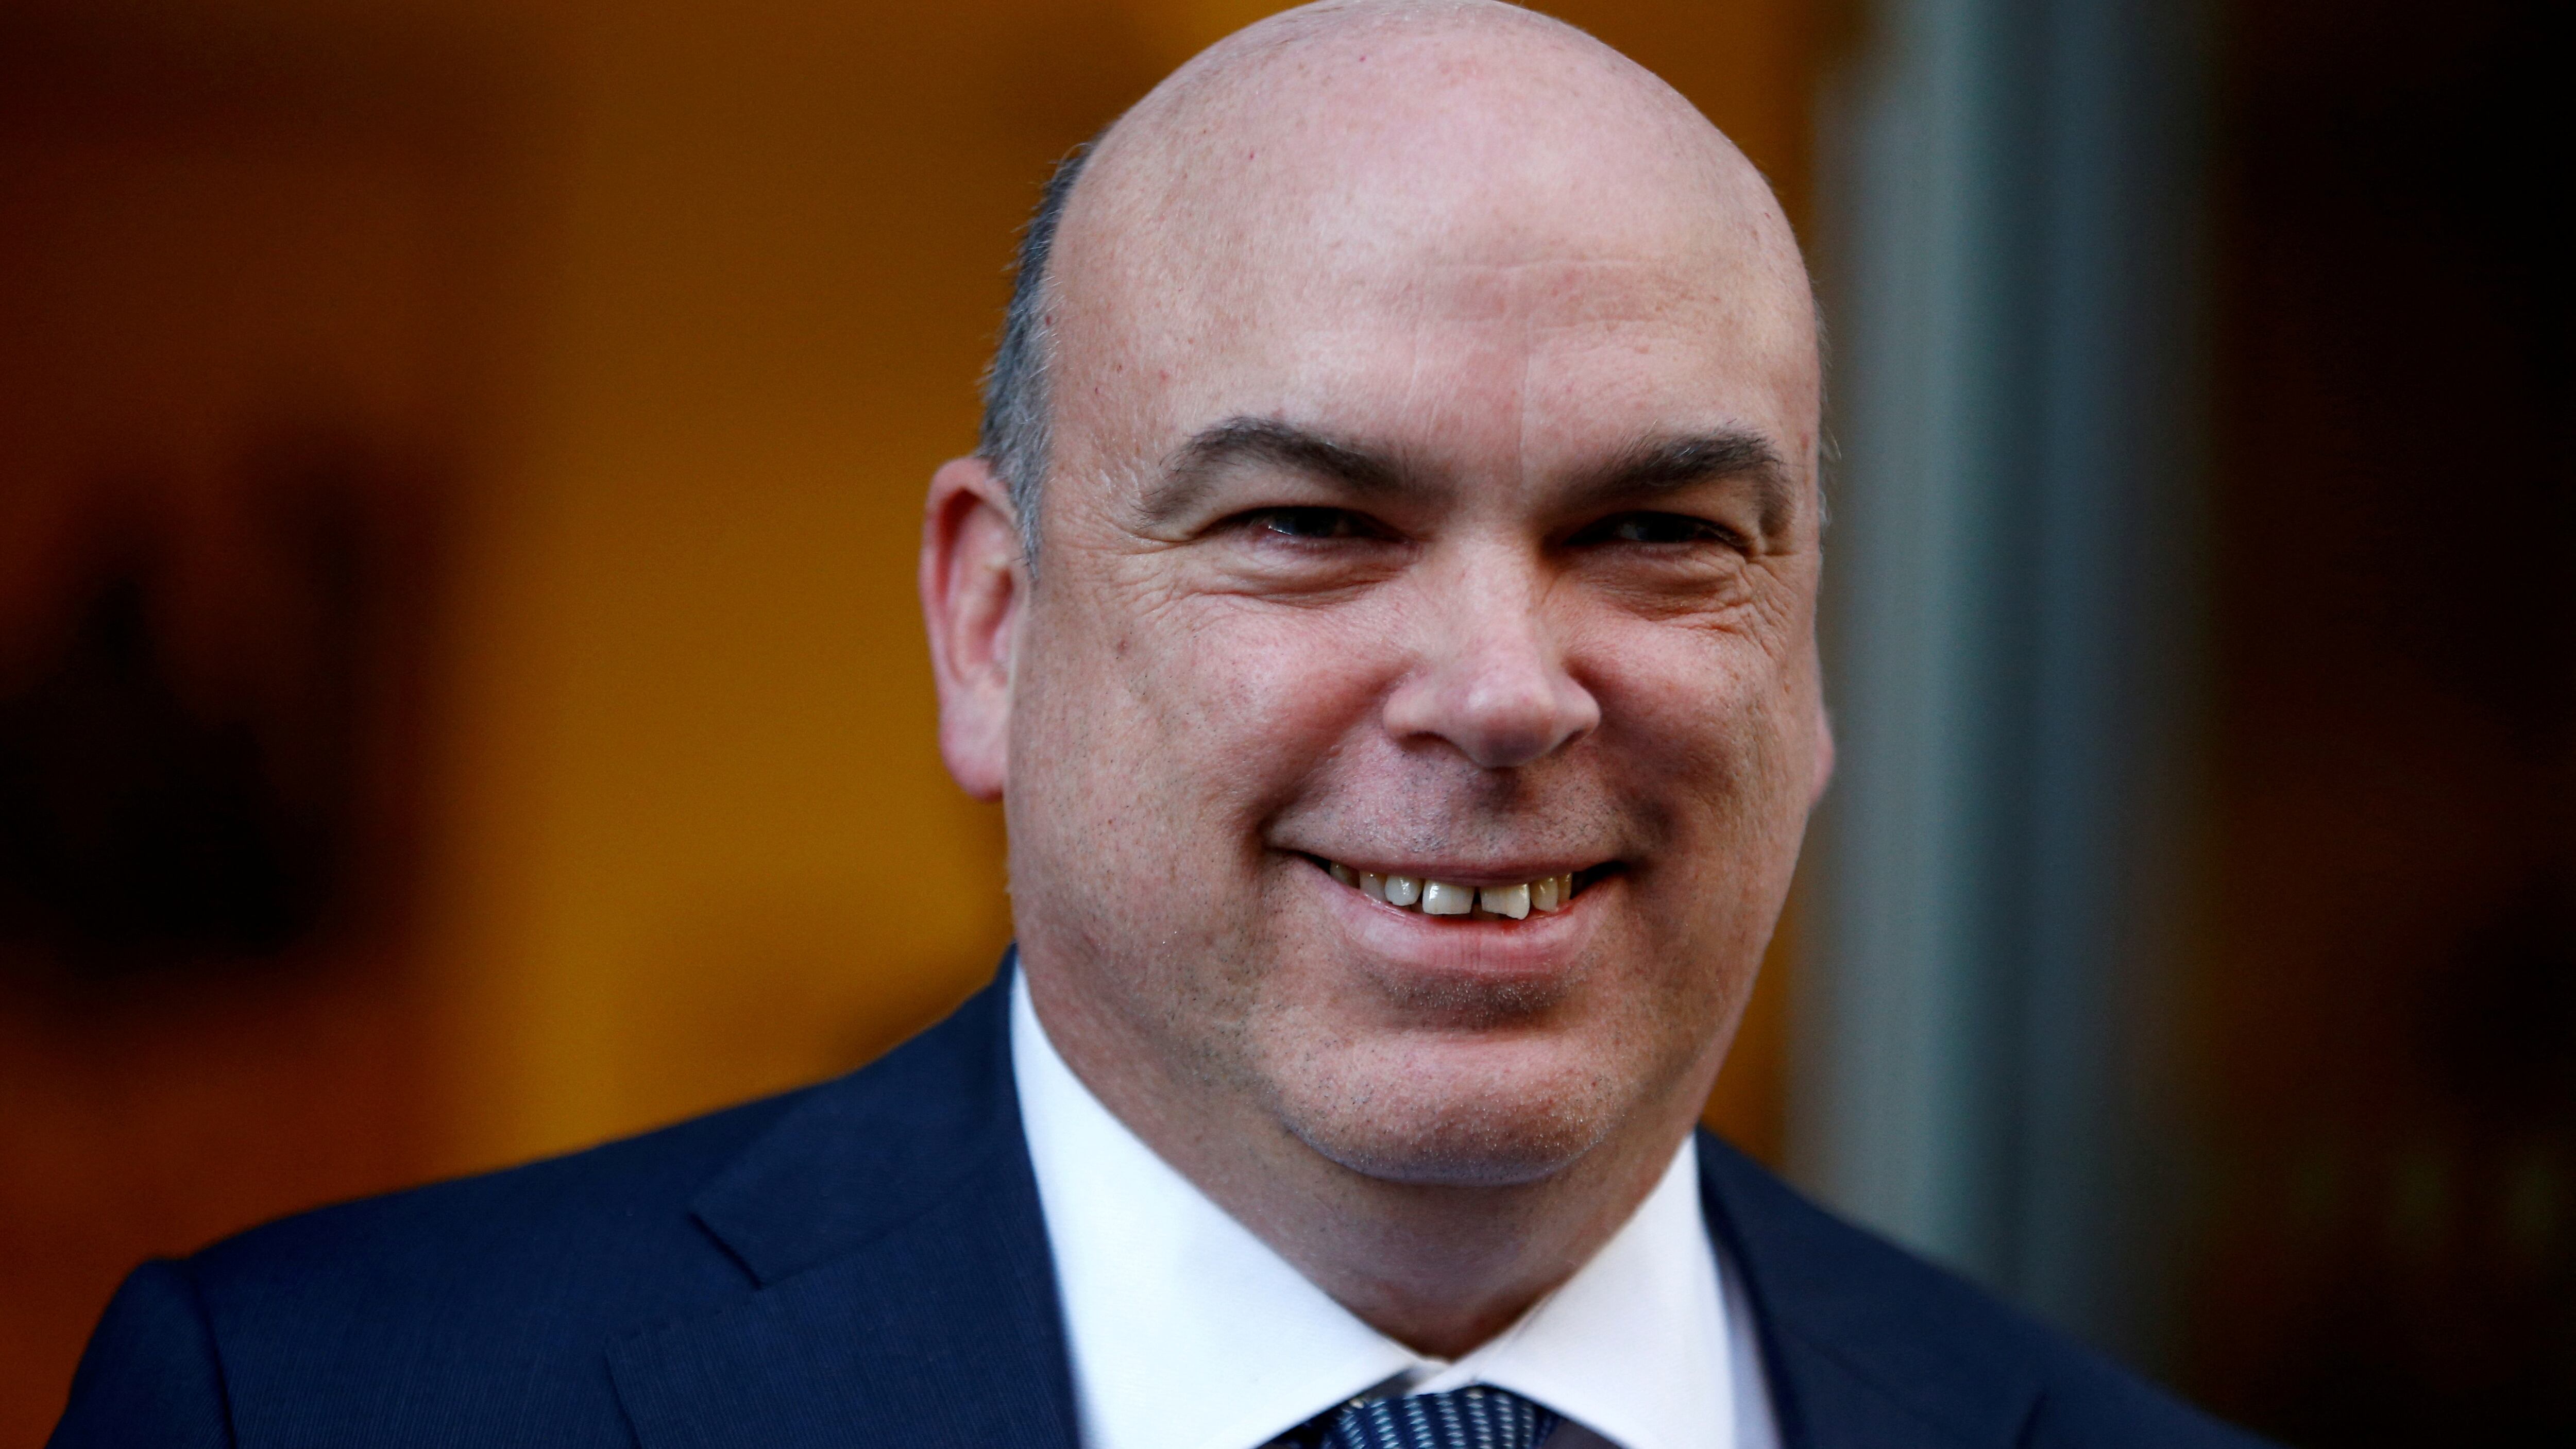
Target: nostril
1497	719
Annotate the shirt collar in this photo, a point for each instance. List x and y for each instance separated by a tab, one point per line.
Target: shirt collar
1188	1332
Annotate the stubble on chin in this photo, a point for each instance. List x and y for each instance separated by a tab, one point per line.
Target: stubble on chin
1418	1138
1427	1109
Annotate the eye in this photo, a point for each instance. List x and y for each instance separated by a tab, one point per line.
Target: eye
1315	524
1654	528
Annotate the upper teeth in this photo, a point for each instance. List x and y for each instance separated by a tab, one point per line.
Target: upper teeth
1442	898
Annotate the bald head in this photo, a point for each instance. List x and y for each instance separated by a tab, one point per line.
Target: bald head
1407	725
1353	135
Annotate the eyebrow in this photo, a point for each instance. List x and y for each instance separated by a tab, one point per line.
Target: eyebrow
1662	465
1239	440
1654	466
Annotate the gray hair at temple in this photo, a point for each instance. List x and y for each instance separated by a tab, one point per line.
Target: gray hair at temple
1014	439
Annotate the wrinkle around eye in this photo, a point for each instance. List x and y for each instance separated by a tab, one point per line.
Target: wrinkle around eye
1245	556
1659	529
1672	581
1316	522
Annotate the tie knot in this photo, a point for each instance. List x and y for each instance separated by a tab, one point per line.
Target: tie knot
1476	1417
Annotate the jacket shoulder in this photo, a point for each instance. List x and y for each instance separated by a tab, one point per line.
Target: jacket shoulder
583	1212
483	1309
1855	1328
635	1217
472	1308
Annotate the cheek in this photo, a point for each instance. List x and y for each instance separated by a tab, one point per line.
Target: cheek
1163	732
1697	740
1709	731
1246	701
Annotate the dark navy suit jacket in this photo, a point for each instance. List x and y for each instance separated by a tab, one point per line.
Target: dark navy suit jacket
864	1262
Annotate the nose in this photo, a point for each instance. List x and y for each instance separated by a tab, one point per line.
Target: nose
1489	675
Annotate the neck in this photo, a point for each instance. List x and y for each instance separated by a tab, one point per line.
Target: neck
1439	1267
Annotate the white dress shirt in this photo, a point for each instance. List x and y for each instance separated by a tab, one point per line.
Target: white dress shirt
1188	1332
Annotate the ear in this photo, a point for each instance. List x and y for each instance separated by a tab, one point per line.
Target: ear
973	583
1823	756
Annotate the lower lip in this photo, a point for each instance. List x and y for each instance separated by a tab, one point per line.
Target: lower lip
1541	946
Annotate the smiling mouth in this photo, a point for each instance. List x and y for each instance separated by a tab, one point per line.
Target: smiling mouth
1426	896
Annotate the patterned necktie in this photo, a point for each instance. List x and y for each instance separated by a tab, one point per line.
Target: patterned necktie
1476	1417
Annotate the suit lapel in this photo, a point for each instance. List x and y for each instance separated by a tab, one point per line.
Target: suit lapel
905	1290
1863	1347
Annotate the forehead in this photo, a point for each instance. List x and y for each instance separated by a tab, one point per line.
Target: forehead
1471	253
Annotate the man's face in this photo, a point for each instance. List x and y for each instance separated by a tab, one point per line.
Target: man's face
1435	535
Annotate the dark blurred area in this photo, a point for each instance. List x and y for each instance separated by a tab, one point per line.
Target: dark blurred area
460	696
147	828
2386	1018
233	274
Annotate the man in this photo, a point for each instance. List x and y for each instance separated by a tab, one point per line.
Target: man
1384	604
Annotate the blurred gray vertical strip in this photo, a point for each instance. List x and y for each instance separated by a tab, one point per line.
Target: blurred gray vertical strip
1890	1123
2117	596
2010	188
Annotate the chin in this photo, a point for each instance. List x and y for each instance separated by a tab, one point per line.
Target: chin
1453	1116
